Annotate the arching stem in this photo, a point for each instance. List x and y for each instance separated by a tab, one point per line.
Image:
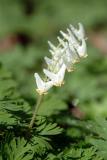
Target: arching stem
40	98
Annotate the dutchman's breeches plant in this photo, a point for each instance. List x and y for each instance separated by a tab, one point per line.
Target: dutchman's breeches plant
70	50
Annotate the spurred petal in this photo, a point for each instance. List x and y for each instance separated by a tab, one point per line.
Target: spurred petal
64	35
58	77
69	64
61	41
71	54
72	39
42	87
82	49
69	51
79	33
52	52
39	81
52	46
61	73
48	85
58	53
50	75
48	61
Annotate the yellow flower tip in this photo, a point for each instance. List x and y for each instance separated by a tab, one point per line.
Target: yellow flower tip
86	56
63	83
41	92
59	84
70	70
77	61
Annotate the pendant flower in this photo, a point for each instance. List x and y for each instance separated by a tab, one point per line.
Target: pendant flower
79	33
43	87
56	78
72	47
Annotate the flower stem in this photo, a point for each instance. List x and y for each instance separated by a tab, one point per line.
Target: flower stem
36	110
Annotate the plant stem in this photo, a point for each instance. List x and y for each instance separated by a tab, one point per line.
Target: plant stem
39	102
36	110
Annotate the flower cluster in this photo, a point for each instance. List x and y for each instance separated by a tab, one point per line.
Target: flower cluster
71	48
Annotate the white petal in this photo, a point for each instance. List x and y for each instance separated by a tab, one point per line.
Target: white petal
60	62
64	35
48	85
71	55
52	46
61	73
58	53
39	81
61	41
79	33
57	65
69	32
72	48
52	52
42	87
82	49
69	64
50	75
72	40
68	54
48	61
58	77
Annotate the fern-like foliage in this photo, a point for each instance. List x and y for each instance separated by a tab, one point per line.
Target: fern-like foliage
15	114
37	143
44	128
99	140
42	135
77	154
12	106
17	149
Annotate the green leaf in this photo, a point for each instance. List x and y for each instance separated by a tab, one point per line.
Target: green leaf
18	149
12	106
41	145
99	128
45	128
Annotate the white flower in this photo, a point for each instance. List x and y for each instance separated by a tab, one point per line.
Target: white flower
74	55
53	64
52	46
43	87
72	39
56	78
56	54
69	37
76	41
81	49
57	66
65	35
79	33
69	58
48	61
69	51
56	51
61	41
68	63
